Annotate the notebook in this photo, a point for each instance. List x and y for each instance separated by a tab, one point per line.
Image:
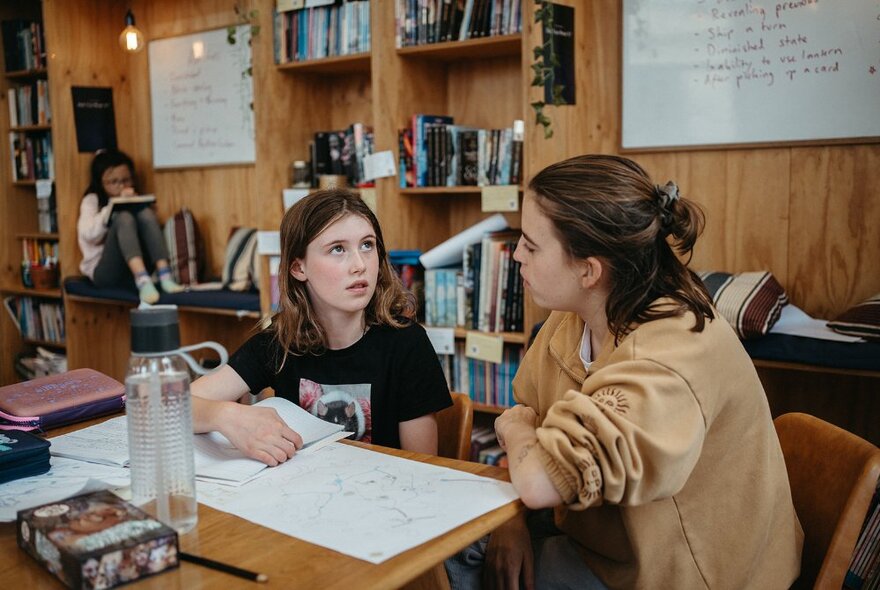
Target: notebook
22	454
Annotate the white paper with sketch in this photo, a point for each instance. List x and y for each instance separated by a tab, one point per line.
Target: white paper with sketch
369	505
215	457
65	478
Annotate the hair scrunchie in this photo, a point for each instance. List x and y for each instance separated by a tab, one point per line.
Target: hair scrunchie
666	196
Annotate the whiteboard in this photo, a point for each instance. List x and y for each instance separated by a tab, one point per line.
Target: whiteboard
703	72
201	92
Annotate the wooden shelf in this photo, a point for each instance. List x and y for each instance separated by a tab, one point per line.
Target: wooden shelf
37	236
26	74
444	190
343	64
49	343
30	128
24	183
790	366
24	291
496	46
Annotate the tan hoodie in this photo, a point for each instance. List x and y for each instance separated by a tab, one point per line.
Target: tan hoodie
665	456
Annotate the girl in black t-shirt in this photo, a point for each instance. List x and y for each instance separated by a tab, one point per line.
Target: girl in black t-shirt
341	345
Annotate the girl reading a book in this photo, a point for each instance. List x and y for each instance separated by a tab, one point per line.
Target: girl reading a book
640	420
114	237
343	346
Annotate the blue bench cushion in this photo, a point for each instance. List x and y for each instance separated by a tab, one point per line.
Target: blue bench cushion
813	351
220	299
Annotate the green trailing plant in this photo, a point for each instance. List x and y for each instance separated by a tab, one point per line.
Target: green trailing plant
244	17
543	67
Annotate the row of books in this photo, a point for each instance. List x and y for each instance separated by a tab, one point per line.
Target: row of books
24	46
485	447
39	252
434	21
342	153
323	31
486	294
485	382
864	570
37	319
29	104
435	152
31	155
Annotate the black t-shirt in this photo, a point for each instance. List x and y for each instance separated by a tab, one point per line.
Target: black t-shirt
389	376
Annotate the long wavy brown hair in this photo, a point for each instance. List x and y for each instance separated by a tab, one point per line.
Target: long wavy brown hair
608	207
296	326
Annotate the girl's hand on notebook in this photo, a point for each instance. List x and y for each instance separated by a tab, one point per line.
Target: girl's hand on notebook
261	434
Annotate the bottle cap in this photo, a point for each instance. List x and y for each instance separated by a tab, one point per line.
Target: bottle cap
154	330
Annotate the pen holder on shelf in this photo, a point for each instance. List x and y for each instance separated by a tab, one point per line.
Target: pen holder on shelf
43	277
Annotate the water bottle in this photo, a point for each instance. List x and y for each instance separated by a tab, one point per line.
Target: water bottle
159	416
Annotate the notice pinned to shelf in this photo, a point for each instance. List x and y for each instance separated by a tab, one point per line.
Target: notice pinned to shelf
442	339
368	196
484	347
379	165
500	198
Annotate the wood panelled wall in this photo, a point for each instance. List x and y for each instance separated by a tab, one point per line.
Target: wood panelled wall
808	213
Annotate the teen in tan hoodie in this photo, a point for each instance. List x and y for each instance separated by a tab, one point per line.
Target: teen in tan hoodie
641	422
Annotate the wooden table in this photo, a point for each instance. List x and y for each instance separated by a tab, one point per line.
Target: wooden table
289	562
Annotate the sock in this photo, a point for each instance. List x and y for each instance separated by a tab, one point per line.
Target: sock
146	290
167	283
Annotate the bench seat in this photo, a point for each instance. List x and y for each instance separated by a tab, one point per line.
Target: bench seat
221	301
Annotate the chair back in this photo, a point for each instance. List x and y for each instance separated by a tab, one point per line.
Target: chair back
454	426
833	475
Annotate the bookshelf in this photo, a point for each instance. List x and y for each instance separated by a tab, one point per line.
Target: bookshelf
28	218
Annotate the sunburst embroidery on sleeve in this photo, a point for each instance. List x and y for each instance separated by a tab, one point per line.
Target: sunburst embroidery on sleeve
612	399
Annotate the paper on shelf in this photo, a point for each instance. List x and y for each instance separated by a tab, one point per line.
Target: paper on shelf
451	251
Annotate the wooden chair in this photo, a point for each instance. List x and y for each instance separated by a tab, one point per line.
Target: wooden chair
454	426
833	474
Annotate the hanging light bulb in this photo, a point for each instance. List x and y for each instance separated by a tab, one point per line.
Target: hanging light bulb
131	39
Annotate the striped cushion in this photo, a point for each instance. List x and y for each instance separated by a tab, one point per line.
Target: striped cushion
750	301
186	251
862	320
240	267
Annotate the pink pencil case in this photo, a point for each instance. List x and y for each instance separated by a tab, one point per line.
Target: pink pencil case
56	400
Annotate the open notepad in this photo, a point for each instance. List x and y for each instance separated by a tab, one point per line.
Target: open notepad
216	459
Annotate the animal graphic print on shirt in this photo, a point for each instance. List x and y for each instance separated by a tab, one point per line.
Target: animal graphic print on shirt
348	405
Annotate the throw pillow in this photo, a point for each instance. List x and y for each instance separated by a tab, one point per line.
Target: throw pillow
240	265
186	250
750	301
860	320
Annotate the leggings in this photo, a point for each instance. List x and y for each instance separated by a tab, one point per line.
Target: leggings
131	234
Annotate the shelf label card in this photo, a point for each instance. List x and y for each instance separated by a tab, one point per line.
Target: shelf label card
379	165
286	5
368	196
500	198
484	347
442	339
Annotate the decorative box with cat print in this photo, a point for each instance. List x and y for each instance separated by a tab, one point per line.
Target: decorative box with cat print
96	541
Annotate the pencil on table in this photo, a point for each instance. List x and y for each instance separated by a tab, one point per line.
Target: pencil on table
223	567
